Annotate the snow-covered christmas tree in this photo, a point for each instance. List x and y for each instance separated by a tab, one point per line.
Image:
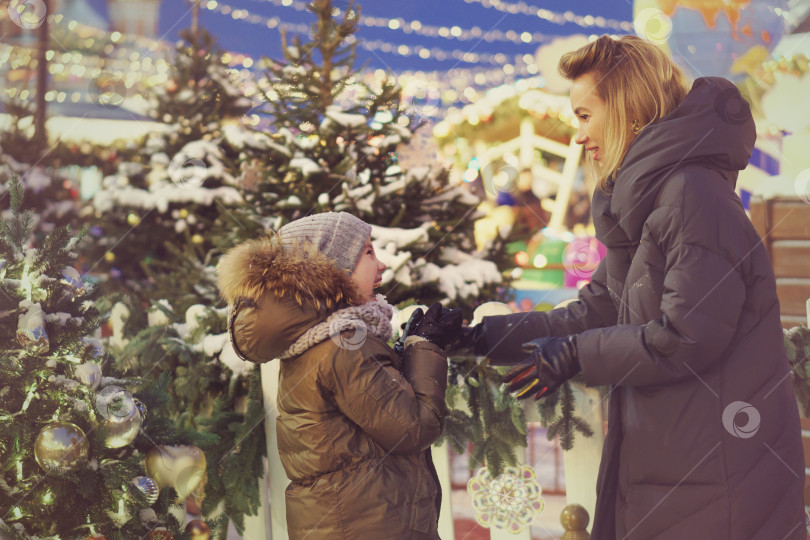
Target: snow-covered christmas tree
80	455
159	207
337	142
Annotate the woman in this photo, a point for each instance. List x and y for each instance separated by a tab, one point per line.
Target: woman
680	319
356	419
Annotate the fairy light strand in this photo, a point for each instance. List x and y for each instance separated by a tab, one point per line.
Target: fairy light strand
425	53
455	32
585	21
427	30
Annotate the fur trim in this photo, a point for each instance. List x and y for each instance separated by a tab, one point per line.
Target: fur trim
256	267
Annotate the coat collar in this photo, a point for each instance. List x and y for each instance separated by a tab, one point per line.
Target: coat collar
712	126
277	295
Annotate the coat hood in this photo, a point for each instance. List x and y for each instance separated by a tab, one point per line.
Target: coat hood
712	127
276	295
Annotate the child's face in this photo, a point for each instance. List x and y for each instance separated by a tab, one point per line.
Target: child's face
368	273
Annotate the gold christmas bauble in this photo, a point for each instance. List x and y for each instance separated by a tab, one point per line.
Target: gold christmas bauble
198	529
183	213
121	418
61	447
133	219
181	467
160	534
109	256
197	239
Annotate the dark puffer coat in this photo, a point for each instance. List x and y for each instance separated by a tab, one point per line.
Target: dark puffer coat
681	319
356	422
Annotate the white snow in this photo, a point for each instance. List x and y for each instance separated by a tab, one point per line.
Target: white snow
307	143
462	280
292	200
61	380
238	366
60	318
401	238
193	314
305	165
159	196
156	316
213	344
391	258
240	137
349	120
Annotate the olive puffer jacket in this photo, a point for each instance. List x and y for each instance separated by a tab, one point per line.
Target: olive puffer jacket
356	421
681	320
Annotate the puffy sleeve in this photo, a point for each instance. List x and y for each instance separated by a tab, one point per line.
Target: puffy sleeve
594	308
402	411
701	304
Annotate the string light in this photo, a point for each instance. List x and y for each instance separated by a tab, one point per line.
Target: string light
433	31
585	21
475	33
373	46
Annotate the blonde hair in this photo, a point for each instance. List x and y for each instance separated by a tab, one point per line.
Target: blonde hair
639	84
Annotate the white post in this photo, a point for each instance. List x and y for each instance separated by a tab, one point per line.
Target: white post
807	307
566	186
526	142
582	461
441	460
278	478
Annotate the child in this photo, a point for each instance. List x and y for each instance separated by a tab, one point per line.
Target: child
356	419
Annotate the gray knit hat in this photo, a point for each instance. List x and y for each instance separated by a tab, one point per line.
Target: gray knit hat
338	235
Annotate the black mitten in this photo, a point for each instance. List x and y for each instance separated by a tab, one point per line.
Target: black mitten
439	326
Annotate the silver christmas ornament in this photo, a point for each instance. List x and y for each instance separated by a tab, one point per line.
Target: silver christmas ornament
72	278
89	374
141	408
31	331
148	487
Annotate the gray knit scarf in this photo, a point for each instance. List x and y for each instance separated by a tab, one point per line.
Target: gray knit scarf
373	317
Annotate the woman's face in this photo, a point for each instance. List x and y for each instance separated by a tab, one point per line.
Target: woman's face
590	110
367	274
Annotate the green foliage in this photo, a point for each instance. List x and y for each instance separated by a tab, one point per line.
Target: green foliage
237	455
39	373
199	93
482	412
567	423
797	346
224	409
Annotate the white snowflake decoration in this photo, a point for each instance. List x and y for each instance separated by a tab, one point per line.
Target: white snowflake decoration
509	501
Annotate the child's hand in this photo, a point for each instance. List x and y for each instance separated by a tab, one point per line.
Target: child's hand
439	326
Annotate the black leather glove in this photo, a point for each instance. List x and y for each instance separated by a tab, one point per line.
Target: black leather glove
439	326
553	361
469	341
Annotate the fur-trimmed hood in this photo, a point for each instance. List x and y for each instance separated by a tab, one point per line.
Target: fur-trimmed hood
276	295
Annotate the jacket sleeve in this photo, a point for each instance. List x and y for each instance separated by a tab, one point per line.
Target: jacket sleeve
506	334
404	411
701	303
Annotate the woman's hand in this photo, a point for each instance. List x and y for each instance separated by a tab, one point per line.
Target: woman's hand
553	361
